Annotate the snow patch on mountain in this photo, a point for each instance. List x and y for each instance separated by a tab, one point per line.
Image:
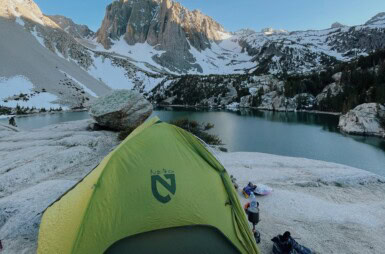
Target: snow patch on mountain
103	70
40	39
12	88
85	88
222	58
20	21
141	53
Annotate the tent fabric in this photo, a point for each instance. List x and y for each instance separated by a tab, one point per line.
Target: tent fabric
160	177
184	240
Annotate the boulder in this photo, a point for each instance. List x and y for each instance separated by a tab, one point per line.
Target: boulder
337	77
120	110
332	90
276	102
365	119
233	106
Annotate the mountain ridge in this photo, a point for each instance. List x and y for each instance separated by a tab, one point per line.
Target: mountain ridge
127	52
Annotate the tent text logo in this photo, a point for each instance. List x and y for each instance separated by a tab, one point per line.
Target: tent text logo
166	179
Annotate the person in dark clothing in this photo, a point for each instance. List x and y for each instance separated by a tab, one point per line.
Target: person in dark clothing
285	244
250	188
12	121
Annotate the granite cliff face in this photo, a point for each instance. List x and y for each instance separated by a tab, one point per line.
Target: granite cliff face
76	30
163	24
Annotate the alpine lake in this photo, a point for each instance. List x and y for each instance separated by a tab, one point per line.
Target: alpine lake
295	134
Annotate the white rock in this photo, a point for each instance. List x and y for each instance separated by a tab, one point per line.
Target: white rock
233	106
337	77
121	109
333	90
363	120
65	152
245	101
275	101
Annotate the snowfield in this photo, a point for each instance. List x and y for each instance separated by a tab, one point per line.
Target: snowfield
141	53
328	207
16	85
224	57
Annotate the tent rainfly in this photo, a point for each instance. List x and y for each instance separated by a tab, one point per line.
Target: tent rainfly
159	191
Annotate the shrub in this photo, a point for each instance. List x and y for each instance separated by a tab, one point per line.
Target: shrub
199	130
5	110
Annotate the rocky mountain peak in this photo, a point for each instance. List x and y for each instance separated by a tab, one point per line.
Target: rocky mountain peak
25	9
17	8
336	25
77	31
159	22
163	24
269	31
377	19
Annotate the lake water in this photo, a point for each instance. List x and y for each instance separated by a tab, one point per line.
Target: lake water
313	136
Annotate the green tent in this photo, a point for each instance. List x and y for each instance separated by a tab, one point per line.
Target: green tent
159	191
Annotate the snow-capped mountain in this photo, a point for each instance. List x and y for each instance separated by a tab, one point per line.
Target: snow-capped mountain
47	61
181	41
304	51
144	43
33	69
188	42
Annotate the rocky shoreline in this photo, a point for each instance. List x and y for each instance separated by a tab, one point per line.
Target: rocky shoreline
330	207
244	108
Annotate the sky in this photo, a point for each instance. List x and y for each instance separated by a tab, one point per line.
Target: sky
237	14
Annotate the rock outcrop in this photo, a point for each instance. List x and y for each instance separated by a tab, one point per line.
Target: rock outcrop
365	119
76	30
331	90
377	19
121	110
66	153
277	102
337	25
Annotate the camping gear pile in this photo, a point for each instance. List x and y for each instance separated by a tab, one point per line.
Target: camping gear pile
282	244
259	189
150	195
285	244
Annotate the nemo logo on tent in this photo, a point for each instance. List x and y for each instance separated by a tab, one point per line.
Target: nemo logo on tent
163	184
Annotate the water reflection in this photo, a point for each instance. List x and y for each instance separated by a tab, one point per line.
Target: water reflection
313	136
299	134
